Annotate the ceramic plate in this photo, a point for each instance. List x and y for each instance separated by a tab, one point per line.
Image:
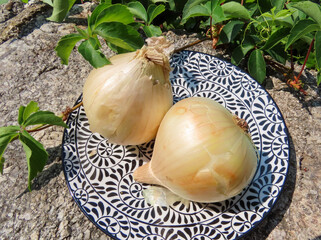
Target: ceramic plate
99	174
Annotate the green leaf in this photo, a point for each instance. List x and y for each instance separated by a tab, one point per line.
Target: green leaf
319	78
240	52
49	2
89	30
283	18
235	10
25	1
26	111
136	25
153	11
2	160
82	32
296	14
60	10
113	13
196	11
278	4
188	6
156	1
216	11
264	5
276	37
31	108
230	30
4	131
66	45
283	14
212	5
116	49
317	47
138	10
20	114
44	117
278	53
89	49
121	35
94	15
152	30
172	5
257	66
35	153
311	61
7	134
268	14
3	1
300	29
176	5
310	9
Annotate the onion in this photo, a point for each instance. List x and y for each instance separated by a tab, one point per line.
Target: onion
202	152
126	101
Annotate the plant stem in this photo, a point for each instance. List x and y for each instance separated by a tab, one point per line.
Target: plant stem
292	63
39	128
66	113
211	26
64	117
276	64
305	60
288	74
191	44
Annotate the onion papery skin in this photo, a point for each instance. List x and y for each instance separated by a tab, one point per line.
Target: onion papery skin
126	101
200	153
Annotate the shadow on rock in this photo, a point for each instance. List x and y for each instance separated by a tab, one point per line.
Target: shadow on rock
52	169
275	216
317	238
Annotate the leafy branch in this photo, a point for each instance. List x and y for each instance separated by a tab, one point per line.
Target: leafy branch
259	33
116	24
31	119
250	29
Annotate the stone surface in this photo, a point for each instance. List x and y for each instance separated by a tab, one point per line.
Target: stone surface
31	70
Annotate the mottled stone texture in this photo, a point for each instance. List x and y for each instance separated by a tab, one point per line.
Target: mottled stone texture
31	70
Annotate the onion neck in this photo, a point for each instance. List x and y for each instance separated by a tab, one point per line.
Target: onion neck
158	51
155	56
241	123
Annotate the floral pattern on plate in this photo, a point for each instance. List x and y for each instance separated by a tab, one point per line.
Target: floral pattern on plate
99	174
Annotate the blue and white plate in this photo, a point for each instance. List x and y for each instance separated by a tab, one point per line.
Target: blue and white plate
99	174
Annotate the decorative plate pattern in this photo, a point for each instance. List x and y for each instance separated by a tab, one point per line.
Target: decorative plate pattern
99	174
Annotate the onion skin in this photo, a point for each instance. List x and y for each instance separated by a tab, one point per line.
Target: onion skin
126	101
200	153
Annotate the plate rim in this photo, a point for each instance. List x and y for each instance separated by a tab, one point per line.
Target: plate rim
256	224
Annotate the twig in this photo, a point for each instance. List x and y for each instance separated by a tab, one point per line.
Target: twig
191	44
64	117
306	59
39	128
68	110
277	65
292	63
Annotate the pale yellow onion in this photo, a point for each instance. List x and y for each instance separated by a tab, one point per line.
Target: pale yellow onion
202	152
126	101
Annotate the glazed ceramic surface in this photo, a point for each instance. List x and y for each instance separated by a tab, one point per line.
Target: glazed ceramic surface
99	174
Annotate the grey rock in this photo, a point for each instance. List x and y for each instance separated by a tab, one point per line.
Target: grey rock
10	9
31	70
